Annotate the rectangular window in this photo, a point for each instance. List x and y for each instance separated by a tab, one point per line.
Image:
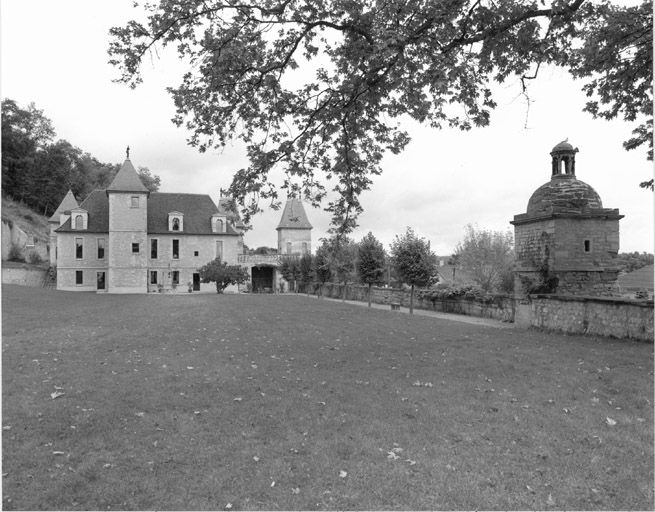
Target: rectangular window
135	248
196	253
153	277
135	201
176	249
79	248
79	277
101	248
30	241
153	249
219	249
176	277
587	245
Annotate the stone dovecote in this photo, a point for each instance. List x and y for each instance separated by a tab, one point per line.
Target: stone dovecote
566	242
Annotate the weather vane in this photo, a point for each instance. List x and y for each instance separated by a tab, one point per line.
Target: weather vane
127	152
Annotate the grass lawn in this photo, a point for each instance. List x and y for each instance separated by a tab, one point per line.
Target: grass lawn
287	402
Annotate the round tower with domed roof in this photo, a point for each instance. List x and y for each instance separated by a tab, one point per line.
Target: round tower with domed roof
566	242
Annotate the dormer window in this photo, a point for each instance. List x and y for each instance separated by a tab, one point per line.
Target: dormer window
219	223
79	219
175	221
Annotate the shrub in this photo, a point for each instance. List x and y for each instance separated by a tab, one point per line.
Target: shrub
468	292
16	254
35	258
642	294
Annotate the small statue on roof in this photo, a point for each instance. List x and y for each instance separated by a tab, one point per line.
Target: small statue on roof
127	152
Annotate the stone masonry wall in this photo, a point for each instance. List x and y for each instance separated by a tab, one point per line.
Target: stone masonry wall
296	237
593	315
599	316
501	309
23	276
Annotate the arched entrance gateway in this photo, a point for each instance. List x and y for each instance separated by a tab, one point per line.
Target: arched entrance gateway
263	279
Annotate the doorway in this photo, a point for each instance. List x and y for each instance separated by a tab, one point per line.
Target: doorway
196	282
262	280
101	281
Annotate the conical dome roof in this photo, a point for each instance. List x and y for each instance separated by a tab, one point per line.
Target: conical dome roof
563	193
127	180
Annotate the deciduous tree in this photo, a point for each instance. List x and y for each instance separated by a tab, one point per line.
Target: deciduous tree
414	262
224	275
371	260
487	257
307	271
319	88
322	265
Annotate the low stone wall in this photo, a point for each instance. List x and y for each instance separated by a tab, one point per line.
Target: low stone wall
25	276
618	318
502	308
600	316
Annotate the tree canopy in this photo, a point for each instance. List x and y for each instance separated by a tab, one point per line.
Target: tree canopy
318	88
224	275
39	170
414	262
487	257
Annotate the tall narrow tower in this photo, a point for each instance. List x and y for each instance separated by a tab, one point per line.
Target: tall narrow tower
294	232
128	222
566	242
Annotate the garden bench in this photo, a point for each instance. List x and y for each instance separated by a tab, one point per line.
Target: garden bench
395	306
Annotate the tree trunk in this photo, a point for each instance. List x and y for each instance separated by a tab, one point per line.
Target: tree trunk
343	297
411	301
370	285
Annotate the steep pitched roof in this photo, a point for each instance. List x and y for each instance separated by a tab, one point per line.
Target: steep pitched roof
97	205
68	203
127	180
294	216
197	209
638	279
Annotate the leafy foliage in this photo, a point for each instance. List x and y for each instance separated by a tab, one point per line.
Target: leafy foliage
487	257
40	172
630	261
222	274
307	271
317	88
468	292
371	260
289	267
414	262
617	54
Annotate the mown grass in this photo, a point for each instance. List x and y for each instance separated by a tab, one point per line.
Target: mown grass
287	402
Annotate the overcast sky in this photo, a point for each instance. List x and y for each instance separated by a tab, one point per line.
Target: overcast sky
54	53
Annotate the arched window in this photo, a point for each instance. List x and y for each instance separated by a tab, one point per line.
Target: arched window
219	226
79	222
176	224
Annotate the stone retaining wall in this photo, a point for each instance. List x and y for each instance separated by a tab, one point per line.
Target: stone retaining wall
618	318
23	276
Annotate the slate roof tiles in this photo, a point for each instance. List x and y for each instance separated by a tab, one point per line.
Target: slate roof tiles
196	208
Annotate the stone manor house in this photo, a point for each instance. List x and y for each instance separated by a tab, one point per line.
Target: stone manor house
128	240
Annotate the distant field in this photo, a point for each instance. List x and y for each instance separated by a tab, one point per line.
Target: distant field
268	402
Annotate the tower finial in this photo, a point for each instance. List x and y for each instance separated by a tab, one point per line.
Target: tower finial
127	153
